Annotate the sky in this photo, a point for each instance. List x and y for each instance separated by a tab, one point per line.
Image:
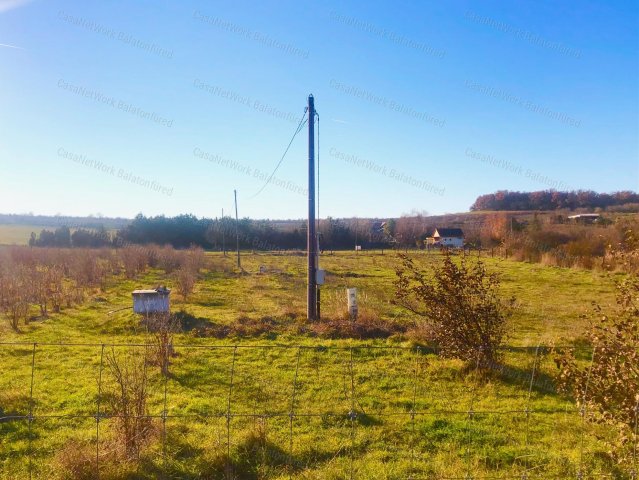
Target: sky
162	107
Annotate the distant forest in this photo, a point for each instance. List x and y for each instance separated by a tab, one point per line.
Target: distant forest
184	231
505	200
60	220
409	231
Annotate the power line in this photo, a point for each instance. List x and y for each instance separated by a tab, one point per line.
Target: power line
297	130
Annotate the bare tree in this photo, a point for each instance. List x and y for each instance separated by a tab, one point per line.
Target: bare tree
127	399
185	279
162	328
15	295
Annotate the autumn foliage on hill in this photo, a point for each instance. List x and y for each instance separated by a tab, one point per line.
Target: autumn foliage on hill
553	200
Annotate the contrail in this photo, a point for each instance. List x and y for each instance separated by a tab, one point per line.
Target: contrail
10	46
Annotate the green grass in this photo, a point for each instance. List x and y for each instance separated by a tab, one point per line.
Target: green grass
334	377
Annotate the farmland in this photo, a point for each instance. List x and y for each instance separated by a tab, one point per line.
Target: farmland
256	392
17	234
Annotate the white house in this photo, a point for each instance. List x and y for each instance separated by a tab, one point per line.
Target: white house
151	301
447	237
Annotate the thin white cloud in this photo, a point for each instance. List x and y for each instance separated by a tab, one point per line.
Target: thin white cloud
10	46
337	120
6	5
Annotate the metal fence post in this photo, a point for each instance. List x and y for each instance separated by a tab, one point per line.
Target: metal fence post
97	415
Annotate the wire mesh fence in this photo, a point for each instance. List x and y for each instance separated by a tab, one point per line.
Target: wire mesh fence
292	411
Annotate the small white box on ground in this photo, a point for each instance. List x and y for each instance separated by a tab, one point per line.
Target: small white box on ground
351	295
151	301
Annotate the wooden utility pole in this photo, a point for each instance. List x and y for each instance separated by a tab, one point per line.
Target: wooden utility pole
311	240
237	232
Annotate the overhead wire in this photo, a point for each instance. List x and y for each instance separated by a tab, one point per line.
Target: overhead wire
297	130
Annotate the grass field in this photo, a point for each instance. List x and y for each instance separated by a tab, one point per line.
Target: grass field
18	234
367	409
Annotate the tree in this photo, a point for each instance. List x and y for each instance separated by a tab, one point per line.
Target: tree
460	303
494	229
551	199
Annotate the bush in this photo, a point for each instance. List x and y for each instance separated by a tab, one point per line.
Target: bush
608	388
185	279
365	327
77	460
127	399
460	302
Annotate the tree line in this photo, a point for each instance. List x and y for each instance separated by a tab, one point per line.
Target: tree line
554	200
184	231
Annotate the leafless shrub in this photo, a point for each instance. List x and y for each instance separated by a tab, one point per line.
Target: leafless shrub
127	400
40	279
14	300
185	279
367	326
169	259
133	259
163	328
194	258
87	269
58	291
77	460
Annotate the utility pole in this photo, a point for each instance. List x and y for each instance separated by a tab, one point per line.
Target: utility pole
311	240
237	232
223	234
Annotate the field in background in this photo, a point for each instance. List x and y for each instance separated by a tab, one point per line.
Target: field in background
358	409
18	234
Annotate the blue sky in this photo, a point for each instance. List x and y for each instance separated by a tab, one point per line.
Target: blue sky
117	108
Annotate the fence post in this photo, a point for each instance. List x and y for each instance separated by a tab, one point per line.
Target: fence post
583	410
412	415
530	387
228	416
292	412
471	415
97	415
165	374
30	417
352	414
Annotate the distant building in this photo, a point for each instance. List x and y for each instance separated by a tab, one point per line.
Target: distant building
584	218
377	227
151	301
447	237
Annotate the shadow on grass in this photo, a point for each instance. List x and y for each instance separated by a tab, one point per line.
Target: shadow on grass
253	457
190	322
521	377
